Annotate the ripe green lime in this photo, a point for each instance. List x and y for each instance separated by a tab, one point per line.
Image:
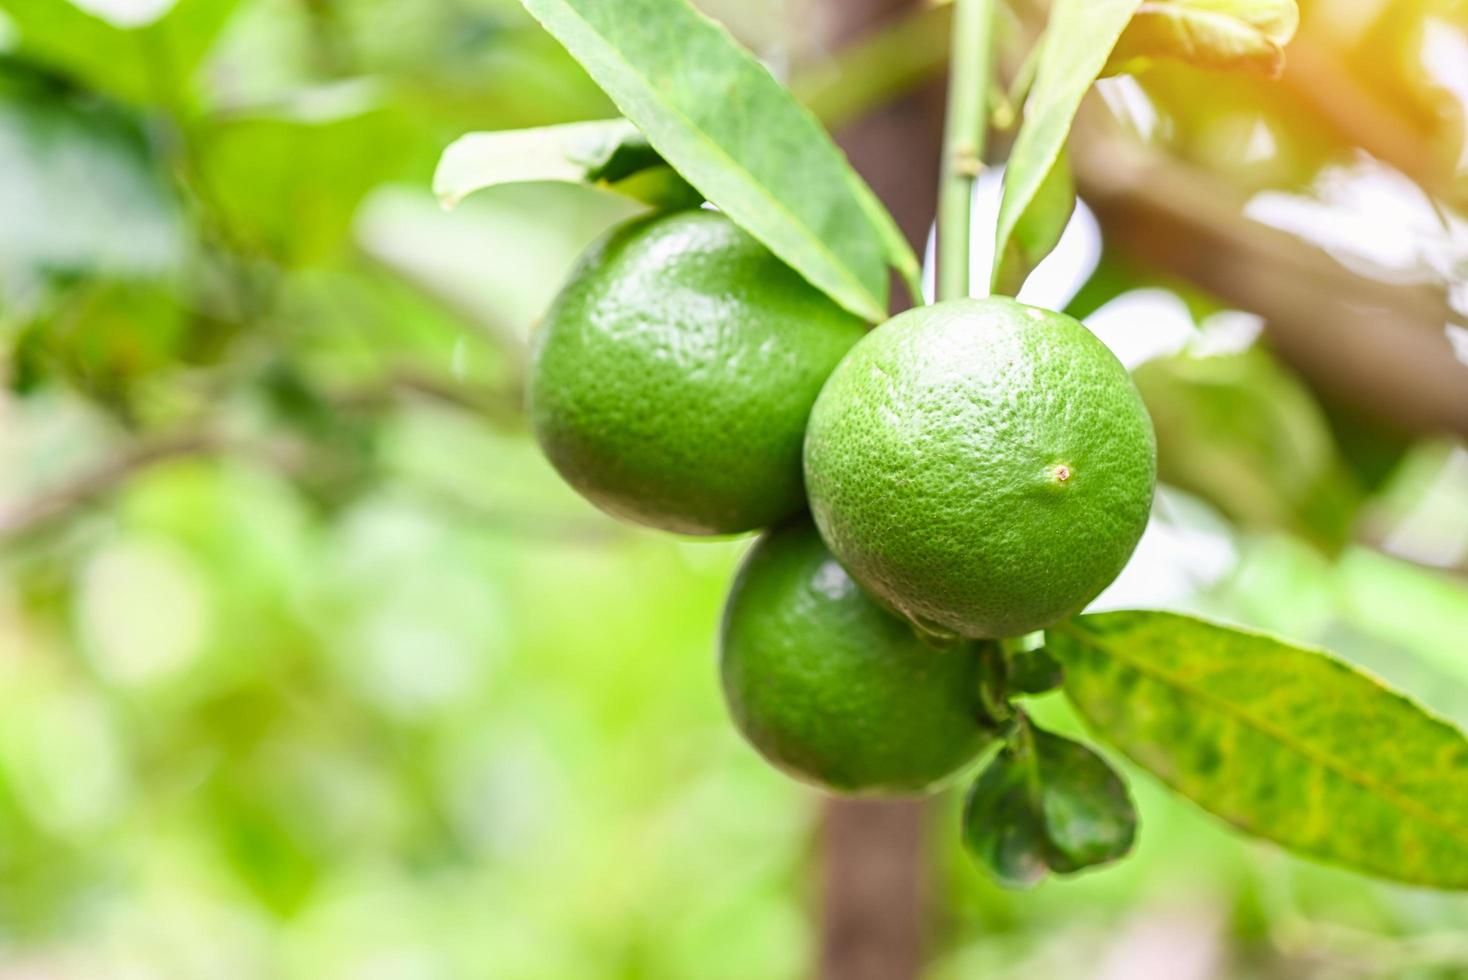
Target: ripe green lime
985	468
835	690
673	376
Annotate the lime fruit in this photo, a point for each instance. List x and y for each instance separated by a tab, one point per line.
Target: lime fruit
984	467
835	690
672	378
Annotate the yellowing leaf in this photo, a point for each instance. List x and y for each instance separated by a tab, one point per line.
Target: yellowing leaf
1281	741
1247	34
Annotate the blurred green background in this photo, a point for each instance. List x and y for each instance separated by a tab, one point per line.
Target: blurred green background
309	665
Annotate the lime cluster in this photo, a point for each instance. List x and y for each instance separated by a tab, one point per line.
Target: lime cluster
964	473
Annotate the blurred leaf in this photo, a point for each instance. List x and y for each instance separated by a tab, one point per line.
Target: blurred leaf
1076	42
1115	275
1045	804
1370	448
1248	34
150	63
1033	672
288	182
126	13
609	153
257	839
1038	230
1422	609
1244	434
719	117
82	193
338	444
104	337
1281	741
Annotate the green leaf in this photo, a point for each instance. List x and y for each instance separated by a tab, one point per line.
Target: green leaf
1038	230
149	62
1033	672
1247	34
287	181
1281	741
724	123
609	153
82	193
1245	434
1046	804
1077	42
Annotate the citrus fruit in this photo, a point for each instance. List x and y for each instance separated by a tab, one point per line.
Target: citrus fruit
835	690
672	378
983	467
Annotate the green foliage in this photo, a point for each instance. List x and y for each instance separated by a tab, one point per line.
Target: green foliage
83	192
1033	672
286	182
1046	804
736	135
1279	740
1077	40
147	63
1248	34
106	338
1243	433
1038	230
610	153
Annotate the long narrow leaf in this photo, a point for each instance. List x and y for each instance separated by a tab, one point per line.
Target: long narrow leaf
1078	40
734	133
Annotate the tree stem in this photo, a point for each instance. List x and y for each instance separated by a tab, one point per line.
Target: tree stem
963	140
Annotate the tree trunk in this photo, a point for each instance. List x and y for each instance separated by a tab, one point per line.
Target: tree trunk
874	890
874	866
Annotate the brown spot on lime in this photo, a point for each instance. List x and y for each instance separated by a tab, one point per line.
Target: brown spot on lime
1060	472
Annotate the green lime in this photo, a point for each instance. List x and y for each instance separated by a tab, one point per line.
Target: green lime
985	468
835	690
673	376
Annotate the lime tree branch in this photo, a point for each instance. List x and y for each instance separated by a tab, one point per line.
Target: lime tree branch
964	133
878	68
1377	345
92	485
98	481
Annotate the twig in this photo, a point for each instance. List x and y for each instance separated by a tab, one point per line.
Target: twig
964	135
1364	117
500	406
1376	345
878	68
95	483
452	299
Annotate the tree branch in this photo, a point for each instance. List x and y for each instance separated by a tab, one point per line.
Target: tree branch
92	484
1379	346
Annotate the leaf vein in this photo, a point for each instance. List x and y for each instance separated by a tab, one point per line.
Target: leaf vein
736	168
1322	760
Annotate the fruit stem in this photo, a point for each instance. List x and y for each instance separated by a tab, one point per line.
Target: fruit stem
964	132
